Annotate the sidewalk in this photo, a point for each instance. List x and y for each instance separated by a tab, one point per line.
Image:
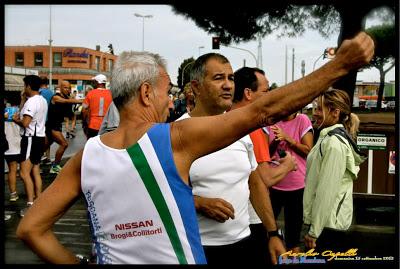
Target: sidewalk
72	229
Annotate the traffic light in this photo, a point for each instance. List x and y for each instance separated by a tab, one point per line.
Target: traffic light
330	53
215	43
111	49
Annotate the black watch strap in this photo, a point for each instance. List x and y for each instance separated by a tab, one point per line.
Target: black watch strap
275	233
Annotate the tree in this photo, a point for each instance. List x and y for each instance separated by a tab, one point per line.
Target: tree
185	67
244	21
385	51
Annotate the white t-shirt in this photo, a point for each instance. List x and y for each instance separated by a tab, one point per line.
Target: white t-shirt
224	174
36	107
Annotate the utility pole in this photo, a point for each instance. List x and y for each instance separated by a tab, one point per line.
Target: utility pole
303	72
292	64
285	64
143	17
50	58
259	60
252	54
244	62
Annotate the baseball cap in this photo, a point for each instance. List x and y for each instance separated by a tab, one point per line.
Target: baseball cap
100	78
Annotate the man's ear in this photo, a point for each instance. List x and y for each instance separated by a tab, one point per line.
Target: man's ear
247	94
195	87
145	93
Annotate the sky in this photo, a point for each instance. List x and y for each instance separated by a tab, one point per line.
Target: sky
170	35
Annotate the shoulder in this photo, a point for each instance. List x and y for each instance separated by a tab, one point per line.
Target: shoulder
304	119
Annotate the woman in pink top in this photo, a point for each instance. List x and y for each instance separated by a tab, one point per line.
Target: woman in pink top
294	134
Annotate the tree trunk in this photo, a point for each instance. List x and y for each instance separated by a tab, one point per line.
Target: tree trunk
352	23
381	89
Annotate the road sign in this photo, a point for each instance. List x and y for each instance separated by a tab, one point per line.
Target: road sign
371	141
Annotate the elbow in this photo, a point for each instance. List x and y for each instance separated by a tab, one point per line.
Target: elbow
23	232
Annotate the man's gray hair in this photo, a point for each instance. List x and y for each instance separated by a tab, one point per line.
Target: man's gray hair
130	71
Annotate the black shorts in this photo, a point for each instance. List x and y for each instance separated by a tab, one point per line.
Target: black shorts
32	148
12	158
55	127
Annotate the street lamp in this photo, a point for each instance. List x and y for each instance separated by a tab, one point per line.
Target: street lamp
183	72
143	17
201	47
50	57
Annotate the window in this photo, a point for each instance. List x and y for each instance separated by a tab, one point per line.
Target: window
97	63
110	65
90	61
57	59
19	59
38	60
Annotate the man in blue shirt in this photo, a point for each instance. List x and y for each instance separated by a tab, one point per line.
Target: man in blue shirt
47	94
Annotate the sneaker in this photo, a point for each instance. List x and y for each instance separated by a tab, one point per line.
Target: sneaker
46	160
14	196
72	134
55	169
67	136
23	211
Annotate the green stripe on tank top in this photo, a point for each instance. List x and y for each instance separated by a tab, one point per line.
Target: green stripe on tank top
140	162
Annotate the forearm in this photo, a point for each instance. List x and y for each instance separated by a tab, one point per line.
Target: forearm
47	247
299	148
272	175
259	198
283	101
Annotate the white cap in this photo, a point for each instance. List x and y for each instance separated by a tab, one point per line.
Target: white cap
100	78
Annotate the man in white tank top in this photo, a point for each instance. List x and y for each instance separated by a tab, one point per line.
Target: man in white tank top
152	218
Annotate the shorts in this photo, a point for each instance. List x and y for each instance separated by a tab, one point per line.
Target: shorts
49	128
32	148
12	158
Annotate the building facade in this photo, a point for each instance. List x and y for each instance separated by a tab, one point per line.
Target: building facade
74	64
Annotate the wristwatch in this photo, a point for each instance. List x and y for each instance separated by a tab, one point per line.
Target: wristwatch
277	233
82	259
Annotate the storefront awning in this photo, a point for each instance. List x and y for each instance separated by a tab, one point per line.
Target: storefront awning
13	82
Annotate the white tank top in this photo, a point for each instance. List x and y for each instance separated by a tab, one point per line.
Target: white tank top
140	211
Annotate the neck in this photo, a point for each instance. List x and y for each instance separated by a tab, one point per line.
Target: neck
33	93
201	110
238	105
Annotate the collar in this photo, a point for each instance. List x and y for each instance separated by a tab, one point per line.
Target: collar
325	131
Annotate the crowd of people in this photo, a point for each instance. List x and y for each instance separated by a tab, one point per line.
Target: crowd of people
34	122
206	184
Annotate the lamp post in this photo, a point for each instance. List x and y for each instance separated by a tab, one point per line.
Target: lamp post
201	47
50	58
252	54
143	17
183	72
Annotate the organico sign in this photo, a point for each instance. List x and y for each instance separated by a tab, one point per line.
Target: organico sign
371	141
71	53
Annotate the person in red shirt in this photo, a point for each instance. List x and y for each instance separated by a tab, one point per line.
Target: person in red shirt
95	105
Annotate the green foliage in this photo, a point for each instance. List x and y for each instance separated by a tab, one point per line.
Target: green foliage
185	66
385	51
245	21
273	86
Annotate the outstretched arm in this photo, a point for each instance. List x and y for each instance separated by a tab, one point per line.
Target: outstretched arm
35	229
213	133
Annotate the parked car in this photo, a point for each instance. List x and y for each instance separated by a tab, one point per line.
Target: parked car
370	104
391	104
